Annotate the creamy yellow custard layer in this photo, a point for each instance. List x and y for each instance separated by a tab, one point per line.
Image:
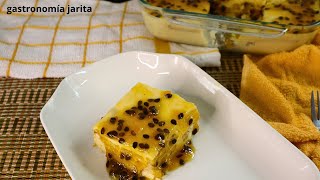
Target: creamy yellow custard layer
258	45
145	128
163	29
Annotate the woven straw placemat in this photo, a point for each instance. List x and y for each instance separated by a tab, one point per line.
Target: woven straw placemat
26	151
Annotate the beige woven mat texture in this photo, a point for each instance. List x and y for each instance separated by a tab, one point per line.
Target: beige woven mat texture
26	151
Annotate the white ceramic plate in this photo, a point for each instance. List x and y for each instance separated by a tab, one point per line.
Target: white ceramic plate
233	141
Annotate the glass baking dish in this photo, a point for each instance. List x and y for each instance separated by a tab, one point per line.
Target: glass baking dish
226	33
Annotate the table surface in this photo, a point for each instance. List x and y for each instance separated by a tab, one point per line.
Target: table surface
25	150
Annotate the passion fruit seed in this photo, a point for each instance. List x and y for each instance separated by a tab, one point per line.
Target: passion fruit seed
128	157
146	146
174	122
195	130
121	141
153	110
155	120
146	136
190	121
159	137
145	111
141	116
112	134
130	112
180	116
161	123
151	125
102	130
113	120
164	165
133	133
122	156
120	122
166	131
186	149
141	145
135	145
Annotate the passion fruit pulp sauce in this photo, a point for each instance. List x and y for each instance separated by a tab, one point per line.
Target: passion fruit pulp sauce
118	171
183	156
153	128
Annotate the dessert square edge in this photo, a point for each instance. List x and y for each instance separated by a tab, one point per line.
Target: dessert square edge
147	133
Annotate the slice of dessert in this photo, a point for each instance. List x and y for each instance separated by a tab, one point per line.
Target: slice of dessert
244	9
144	131
292	12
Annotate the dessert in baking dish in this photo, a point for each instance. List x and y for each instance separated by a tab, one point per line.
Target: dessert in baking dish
147	133
294	22
290	12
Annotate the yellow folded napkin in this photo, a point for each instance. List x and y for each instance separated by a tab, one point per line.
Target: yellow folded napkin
278	88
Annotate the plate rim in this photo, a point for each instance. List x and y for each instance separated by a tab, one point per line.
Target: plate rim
179	58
